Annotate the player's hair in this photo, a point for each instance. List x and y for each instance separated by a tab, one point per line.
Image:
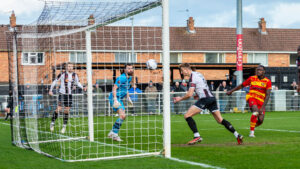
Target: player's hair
298	48
185	65
262	66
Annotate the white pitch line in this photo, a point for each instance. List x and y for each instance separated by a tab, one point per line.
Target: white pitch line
194	163
279	130
141	151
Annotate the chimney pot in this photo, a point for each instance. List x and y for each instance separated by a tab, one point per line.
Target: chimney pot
12	20
190	25
262	26
91	20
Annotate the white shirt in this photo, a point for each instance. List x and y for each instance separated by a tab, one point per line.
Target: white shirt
198	82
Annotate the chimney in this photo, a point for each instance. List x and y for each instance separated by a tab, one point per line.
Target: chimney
262	28
91	20
190	25
12	20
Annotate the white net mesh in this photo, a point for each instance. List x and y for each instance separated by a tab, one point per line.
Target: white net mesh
67	33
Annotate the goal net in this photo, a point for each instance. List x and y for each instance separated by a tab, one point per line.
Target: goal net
64	68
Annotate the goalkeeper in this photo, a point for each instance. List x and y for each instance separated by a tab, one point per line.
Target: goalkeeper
119	91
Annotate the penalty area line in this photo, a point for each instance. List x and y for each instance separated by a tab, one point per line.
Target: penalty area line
194	163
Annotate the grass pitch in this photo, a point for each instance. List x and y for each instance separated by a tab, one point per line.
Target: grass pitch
277	145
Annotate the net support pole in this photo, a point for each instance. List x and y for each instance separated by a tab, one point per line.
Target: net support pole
239	43
89	84
166	74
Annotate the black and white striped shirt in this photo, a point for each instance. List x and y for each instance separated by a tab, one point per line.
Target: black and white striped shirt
67	82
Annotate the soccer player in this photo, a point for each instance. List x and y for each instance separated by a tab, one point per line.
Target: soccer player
68	79
206	100
258	96
119	91
298	66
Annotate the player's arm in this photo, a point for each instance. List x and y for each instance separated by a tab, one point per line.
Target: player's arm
239	87
114	91
268	93
77	82
186	96
244	84
54	83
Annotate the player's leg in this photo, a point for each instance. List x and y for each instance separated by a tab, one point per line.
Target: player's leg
261	117
54	117
193	110
67	104
114	133
218	117
253	120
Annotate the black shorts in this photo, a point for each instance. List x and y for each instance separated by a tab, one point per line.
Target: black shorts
65	100
209	103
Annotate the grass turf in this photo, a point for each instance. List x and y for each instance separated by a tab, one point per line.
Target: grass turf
276	145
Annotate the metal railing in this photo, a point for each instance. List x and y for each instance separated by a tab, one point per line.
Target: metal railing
151	103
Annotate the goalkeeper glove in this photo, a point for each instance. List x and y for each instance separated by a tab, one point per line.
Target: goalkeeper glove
116	104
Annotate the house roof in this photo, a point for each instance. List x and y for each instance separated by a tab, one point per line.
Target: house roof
149	38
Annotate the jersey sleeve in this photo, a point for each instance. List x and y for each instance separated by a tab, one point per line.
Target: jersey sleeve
193	83
269	85
77	81
247	82
120	80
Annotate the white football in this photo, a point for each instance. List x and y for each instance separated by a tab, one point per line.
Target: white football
151	64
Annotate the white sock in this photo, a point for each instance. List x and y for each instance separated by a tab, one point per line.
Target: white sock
252	132
196	134
236	134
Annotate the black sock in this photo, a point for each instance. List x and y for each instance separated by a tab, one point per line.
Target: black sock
66	117
192	124
54	117
228	126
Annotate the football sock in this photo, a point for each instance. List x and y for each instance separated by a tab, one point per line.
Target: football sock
192	124
228	126
66	117
196	135
253	121
116	127
54	117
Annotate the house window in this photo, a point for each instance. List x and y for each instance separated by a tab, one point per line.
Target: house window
78	57
214	58
125	57
293	58
32	58
175	57
261	58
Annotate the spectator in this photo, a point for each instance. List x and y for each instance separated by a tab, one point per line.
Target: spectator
178	108
134	96
184	85
212	86
223	98
294	86
99	99
151	96
9	107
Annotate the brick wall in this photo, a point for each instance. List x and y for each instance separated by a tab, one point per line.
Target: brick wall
278	60
4	67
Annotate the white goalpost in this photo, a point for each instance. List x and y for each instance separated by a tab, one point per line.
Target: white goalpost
79	51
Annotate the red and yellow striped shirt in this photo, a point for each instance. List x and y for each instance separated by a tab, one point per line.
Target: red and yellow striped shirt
258	88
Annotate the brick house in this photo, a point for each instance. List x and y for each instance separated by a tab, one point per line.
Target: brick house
274	48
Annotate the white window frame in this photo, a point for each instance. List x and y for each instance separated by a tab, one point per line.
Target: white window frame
254	57
76	57
179	57
33	54
129	61
218	55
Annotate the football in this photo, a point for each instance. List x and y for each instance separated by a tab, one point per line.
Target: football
151	64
